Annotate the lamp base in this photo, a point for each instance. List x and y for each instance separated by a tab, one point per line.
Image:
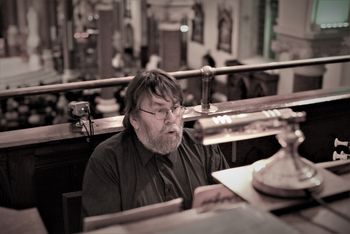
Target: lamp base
200	109
286	177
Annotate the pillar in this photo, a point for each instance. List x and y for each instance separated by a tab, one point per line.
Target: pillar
46	28
22	9
107	104
170	46
11	27
168	16
33	39
68	42
144	42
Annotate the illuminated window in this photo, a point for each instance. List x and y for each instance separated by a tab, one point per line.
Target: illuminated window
328	14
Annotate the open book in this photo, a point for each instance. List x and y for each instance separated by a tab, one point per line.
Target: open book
213	195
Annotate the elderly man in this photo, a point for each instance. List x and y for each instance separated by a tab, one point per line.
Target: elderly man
154	159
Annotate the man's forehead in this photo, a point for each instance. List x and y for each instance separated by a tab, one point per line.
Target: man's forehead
153	100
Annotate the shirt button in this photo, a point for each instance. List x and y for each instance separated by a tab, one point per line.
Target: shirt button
162	169
168	189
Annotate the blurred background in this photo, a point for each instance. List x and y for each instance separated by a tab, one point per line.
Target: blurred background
58	41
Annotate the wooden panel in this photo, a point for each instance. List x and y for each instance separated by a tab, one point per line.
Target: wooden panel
37	175
72	212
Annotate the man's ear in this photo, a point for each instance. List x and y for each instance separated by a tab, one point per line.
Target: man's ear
134	121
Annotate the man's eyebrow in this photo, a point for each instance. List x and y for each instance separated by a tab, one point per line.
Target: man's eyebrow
156	103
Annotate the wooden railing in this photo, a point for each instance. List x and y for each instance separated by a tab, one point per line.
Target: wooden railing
114	124
204	72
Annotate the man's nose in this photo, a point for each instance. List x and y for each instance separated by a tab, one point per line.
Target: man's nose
170	117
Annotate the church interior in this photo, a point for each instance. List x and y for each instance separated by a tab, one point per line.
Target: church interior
267	66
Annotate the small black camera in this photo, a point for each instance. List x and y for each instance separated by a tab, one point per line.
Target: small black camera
79	109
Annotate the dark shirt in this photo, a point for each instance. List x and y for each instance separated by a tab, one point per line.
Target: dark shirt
122	174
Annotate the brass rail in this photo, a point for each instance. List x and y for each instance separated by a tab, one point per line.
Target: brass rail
178	75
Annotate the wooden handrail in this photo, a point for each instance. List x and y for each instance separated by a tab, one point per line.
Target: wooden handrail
178	75
22	137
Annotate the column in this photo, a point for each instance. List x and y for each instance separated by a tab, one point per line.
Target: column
118	47
22	9
52	18
11	27
168	17
107	105
144	42
33	39
170	46
68	42
46	33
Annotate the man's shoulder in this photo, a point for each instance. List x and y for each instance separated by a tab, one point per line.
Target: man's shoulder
116	138
113	145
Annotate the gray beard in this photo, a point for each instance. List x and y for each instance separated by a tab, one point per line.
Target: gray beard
160	144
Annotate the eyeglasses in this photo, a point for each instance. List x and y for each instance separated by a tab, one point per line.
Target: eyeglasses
164	113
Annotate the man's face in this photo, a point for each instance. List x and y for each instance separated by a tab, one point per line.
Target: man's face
160	136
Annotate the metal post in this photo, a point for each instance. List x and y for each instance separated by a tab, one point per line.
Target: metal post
207	76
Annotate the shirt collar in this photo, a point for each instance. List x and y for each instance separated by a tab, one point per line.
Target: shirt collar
173	156
168	159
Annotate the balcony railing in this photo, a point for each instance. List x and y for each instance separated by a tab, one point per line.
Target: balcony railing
204	72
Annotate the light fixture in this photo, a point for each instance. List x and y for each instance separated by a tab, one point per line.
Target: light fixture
285	174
